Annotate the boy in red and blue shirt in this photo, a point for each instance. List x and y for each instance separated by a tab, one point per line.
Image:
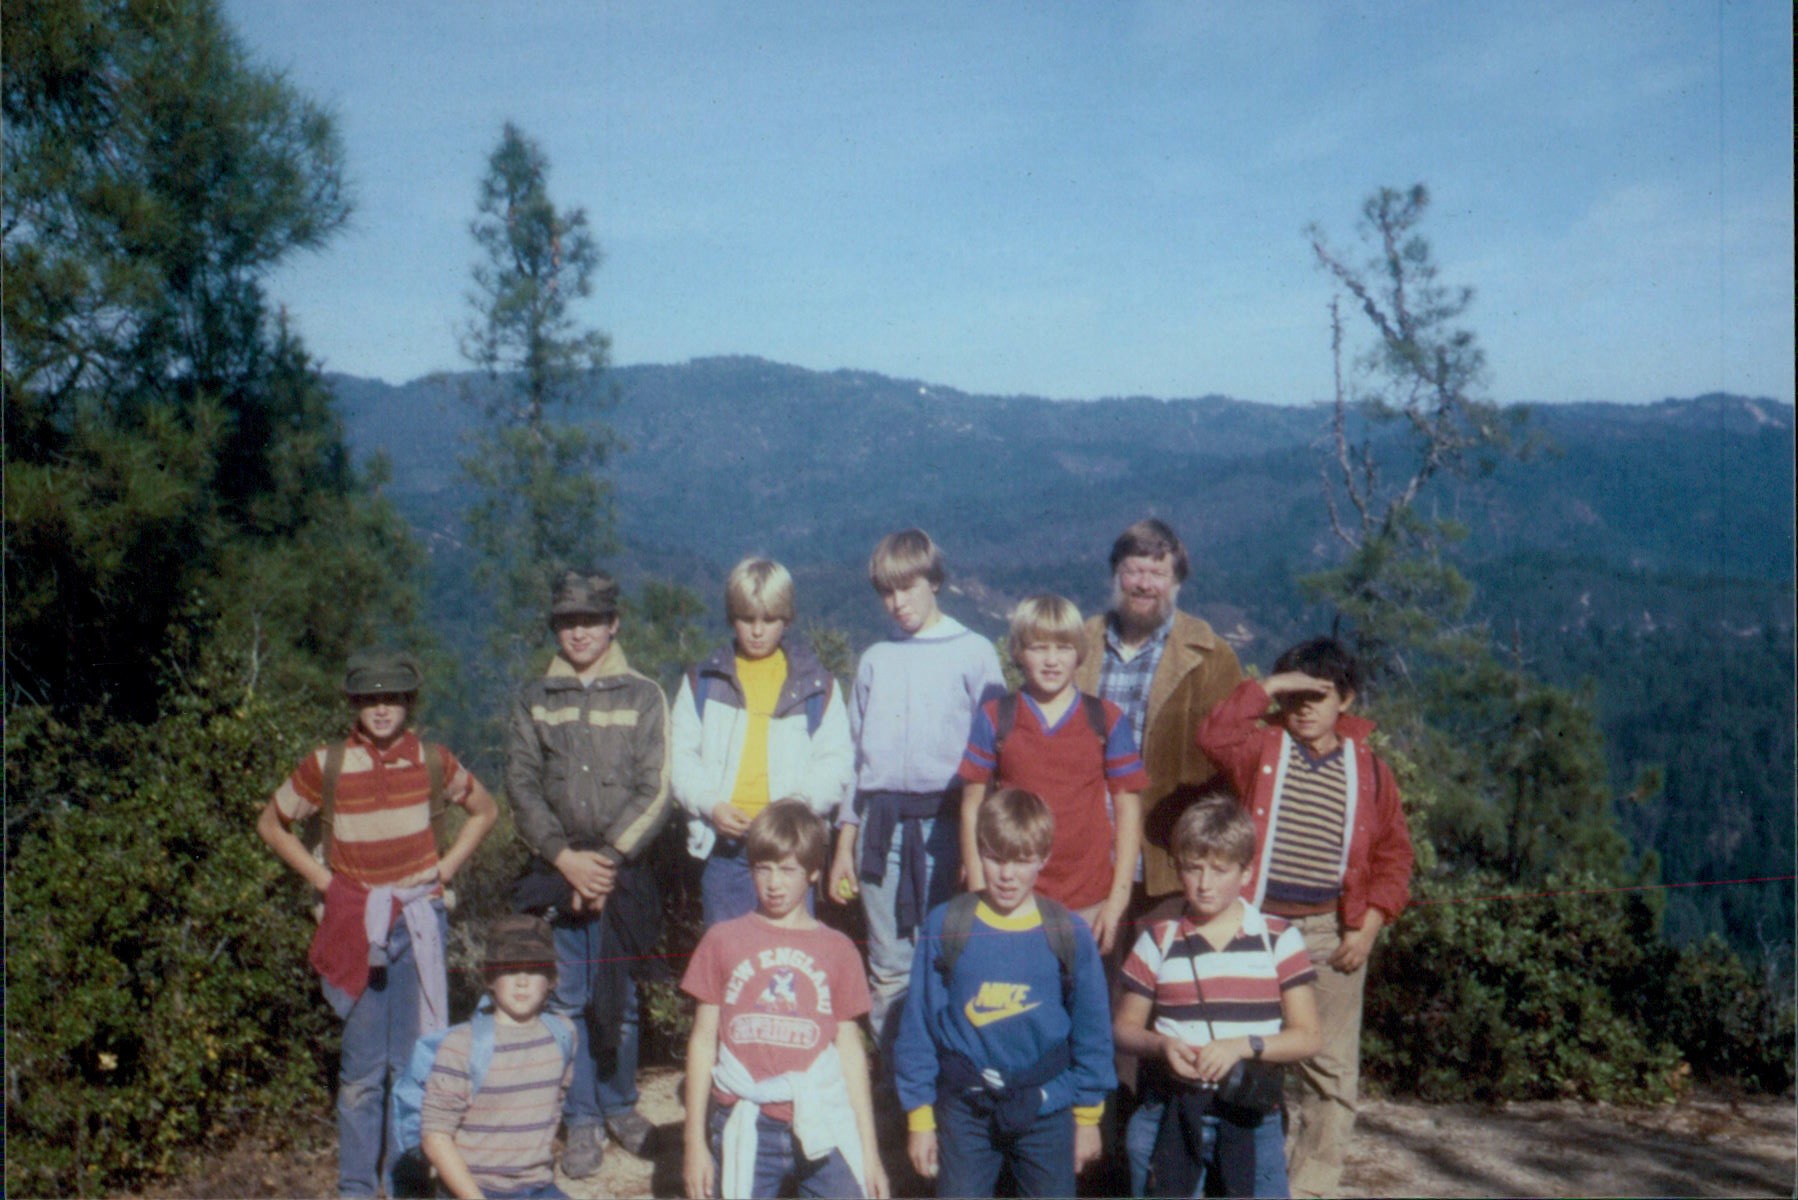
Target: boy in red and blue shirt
1075	751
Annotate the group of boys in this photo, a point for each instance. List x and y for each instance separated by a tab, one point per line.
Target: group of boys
1019	961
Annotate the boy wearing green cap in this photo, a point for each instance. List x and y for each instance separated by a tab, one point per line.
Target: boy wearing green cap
379	948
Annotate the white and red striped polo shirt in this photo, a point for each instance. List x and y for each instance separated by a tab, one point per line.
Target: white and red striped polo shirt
1242	981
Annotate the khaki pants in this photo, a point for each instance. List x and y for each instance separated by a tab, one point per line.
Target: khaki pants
1325	1115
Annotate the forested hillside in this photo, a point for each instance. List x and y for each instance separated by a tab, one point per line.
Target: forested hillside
1646	548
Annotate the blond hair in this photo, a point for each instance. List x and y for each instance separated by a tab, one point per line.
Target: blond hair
900	559
758	587
1014	824
1047	618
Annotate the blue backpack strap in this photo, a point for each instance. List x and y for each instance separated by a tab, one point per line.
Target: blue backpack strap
480	1048
562	1029
815	704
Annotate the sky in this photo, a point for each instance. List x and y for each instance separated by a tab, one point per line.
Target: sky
1072	200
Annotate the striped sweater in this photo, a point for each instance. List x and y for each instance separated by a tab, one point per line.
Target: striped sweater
506	1131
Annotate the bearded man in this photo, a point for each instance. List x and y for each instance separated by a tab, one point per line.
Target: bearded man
1166	670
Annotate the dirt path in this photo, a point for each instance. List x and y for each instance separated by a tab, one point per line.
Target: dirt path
1701	1147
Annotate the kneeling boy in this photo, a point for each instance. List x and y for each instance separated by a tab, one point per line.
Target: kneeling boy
1004	1052
777	1080
497	1141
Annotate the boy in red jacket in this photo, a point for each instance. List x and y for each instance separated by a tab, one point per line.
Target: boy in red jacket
1332	856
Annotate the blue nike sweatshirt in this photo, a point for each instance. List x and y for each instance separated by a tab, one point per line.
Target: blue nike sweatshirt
1004	1011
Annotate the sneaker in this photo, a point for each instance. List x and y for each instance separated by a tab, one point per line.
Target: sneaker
631	1130
585	1150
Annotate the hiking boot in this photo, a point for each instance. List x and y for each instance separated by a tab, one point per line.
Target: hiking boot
585	1150
631	1130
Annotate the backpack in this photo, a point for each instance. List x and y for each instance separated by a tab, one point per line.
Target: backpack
327	809
406	1100
1091	705
1058	926
814	704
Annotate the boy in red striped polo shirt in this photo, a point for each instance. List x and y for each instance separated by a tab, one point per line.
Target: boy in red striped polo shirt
379	948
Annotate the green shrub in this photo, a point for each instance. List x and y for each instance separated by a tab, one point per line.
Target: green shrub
1731	1025
1473	998
156	954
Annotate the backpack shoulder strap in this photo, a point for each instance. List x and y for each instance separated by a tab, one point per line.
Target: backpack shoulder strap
480	1049
327	804
815	704
435	769
1058	927
958	926
1094	708
1007	720
562	1029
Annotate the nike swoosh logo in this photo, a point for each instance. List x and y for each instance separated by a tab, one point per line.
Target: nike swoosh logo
979	1016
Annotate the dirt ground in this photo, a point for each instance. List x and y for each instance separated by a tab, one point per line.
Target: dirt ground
1699	1147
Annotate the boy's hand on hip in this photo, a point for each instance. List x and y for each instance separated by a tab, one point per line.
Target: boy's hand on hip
920	1146
1086	1146
1356	945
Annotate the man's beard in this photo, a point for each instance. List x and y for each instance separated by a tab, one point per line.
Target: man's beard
1127	621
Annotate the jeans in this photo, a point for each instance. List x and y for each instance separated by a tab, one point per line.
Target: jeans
726	888
971	1153
779	1164
377	1044
1270	1149
605	1082
889	955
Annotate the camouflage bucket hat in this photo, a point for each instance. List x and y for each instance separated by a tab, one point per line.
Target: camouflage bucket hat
381	672
520	941
586	594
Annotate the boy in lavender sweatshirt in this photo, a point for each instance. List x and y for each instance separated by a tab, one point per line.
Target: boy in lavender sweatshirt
909	713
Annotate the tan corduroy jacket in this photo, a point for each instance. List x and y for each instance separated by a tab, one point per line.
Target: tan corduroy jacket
1197	670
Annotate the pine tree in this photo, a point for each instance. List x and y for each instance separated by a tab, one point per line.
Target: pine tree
541	503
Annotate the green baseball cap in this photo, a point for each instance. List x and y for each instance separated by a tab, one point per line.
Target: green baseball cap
379	671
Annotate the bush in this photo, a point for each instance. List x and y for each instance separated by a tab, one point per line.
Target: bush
1730	1024
1474	998
156	954
1570	993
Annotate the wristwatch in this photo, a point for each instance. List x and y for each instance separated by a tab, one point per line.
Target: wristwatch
1256	1044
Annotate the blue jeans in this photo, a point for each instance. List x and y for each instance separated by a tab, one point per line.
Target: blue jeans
889	955
378	1035
971	1153
778	1163
604	1083
1270	1150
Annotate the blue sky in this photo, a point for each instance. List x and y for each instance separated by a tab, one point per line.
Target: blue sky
1072	200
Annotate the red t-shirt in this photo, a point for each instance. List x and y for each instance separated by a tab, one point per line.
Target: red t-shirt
1074	773
781	994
